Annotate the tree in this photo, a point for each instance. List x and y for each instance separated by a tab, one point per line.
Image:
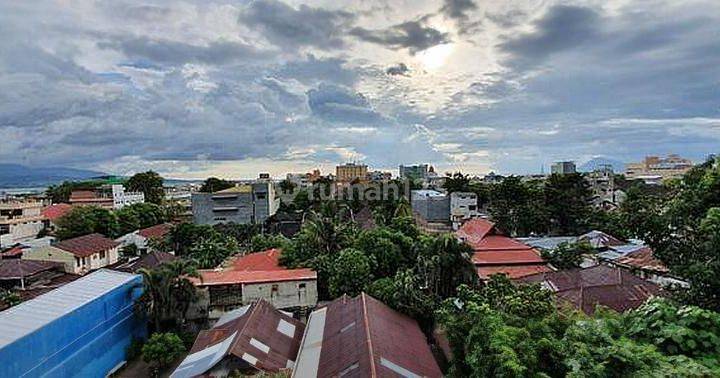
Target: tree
287	186
161	350
214	184
567	255
443	263
389	250
150	184
351	273
167	293
568	203
517	207
404	292
210	251
85	220
263	242
457	182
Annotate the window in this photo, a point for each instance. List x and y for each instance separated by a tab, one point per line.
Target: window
102	254
301	286
472	207
77	262
260	195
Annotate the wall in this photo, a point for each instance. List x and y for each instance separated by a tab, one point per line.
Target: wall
87	342
49	253
204	203
287	296
432	208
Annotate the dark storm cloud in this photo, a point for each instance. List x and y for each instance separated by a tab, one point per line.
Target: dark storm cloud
412	35
178	53
291	27
458	10
335	103
561	28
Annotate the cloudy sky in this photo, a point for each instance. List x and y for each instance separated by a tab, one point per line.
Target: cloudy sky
230	88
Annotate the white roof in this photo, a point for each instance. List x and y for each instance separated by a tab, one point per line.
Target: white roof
27	317
426	193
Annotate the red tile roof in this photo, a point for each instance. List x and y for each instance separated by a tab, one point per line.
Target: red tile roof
12	253
512	271
87	245
260	323
584	289
500	243
509	257
156	231
56	211
16	269
362	337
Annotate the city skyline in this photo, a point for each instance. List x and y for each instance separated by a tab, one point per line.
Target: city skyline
198	89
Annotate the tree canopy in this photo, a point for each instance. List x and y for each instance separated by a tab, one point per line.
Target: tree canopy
149	183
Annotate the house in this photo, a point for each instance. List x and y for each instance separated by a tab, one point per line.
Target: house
81	329
644	264
54	212
141	238
586	288
431	205
19	221
495	253
19	274
242	204
463	206
253	338
255	276
107	196
80	255
362	337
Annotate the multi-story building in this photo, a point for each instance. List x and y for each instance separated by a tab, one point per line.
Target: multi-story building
378	176
563	168
673	166
602	184
463	206
19	221
431	205
414	172
107	196
242	204
79	255
351	172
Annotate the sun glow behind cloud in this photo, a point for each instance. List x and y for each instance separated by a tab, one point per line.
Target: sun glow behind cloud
435	57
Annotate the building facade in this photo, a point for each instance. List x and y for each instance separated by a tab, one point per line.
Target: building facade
351	172
563	168
463	206
671	167
414	172
243	204
431	205
81	329
19	221
107	196
79	255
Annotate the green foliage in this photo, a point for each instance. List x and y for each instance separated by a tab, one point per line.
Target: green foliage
262	242
209	251
61	193
10	298
457	182
162	349
567	202
138	216
287	186
85	220
567	255
242	233
150	183
443	263
167	293
404	292
130	250
389	251
517	207
214	184
134	350
351	272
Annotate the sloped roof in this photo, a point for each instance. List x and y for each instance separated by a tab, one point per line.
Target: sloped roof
261	336
512	271
17	268
149	261
643	258
255	267
362	337
87	245
156	231
500	243
613	287
507	257
599	239
474	231
56	211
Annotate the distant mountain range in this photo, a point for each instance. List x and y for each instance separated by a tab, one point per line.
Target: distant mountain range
20	176
598	162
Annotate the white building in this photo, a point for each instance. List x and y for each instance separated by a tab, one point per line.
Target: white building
463	206
121	198
20	221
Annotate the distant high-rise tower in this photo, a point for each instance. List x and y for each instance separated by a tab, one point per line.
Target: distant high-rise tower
563	168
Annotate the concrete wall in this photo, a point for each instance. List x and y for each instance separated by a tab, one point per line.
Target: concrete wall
50	253
253	206
289	294
432	208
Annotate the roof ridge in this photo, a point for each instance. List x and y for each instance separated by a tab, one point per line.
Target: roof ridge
367	332
242	330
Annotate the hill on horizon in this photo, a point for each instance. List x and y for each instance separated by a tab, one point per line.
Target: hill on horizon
18	176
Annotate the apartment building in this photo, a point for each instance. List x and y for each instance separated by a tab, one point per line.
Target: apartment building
107	196
351	172
19	221
655	167
242	204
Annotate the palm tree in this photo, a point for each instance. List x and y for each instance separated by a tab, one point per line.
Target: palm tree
168	293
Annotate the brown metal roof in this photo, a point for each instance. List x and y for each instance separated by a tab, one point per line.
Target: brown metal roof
363	337
16	269
612	287
260	323
87	245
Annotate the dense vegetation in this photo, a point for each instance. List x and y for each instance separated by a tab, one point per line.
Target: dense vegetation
85	220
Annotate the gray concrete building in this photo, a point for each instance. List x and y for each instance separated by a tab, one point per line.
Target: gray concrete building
250	203
414	172
431	205
563	168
